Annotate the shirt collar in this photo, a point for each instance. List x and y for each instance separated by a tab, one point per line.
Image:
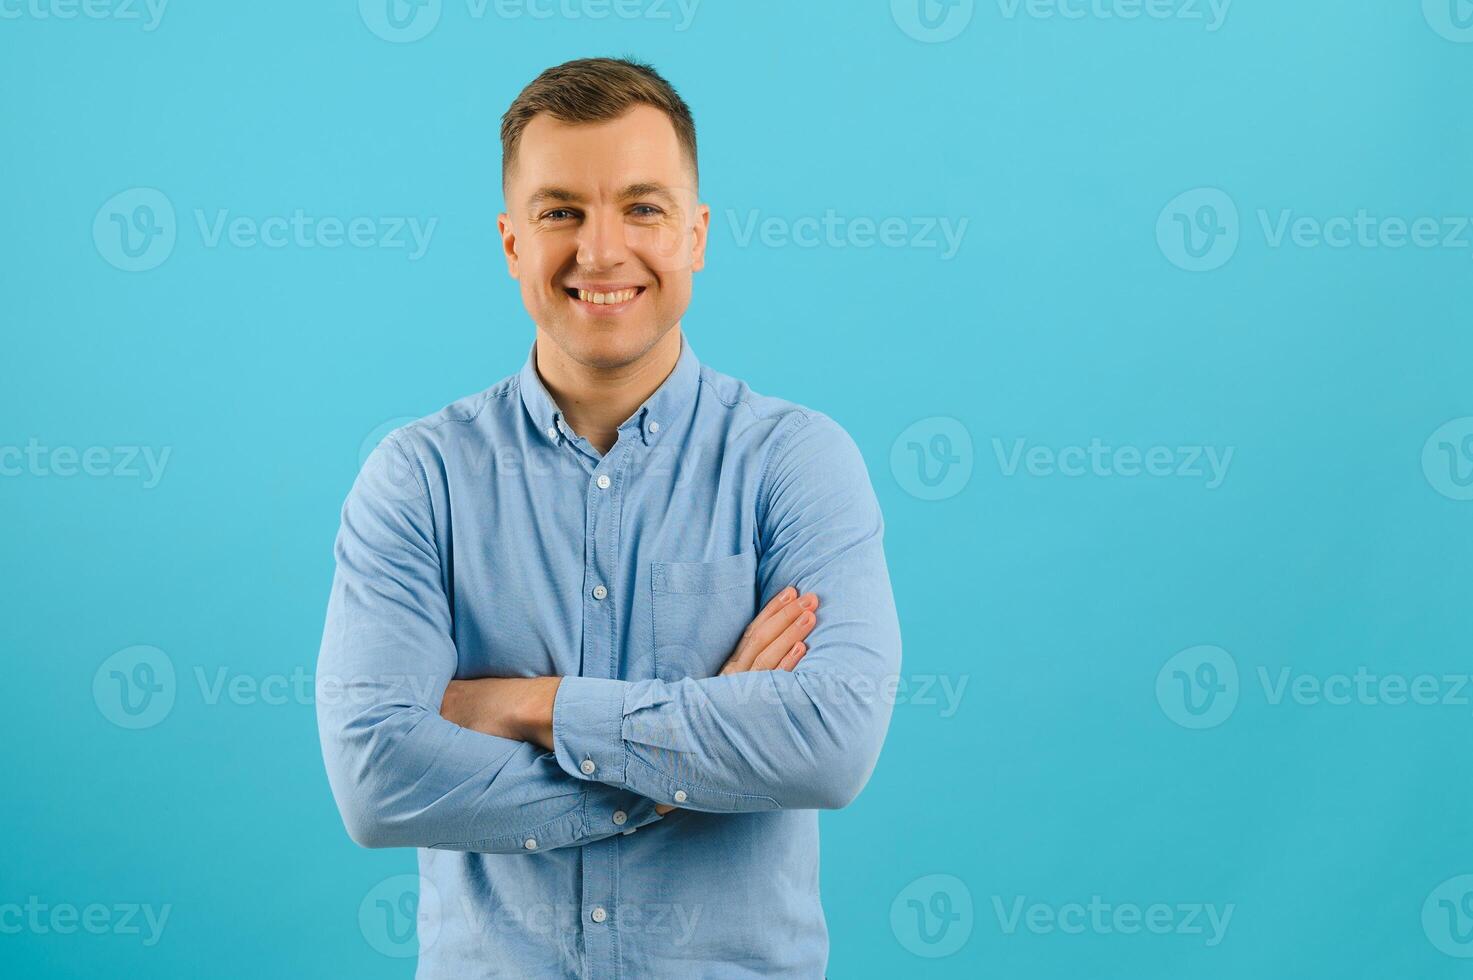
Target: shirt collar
668	404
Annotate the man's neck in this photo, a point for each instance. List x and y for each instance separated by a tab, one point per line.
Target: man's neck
595	402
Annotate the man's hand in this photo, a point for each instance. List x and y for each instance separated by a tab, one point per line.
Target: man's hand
774	640
521	707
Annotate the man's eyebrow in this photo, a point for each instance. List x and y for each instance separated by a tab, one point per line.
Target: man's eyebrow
647	189
558	194
561	195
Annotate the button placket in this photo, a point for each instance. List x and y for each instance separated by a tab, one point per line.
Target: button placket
600	878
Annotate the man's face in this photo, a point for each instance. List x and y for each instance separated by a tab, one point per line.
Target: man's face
603	231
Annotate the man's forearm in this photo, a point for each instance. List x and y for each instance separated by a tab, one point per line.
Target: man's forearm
509	707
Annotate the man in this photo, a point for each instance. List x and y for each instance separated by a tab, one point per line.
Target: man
573	634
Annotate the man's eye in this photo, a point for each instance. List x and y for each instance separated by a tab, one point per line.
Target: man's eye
557	214
645	211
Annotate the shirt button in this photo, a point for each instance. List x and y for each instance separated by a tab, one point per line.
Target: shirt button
552	433
603	481
654	426
680	796
587	767
530	843
599	591
599	914
620	816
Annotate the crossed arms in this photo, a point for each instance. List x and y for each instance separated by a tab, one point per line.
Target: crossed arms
562	762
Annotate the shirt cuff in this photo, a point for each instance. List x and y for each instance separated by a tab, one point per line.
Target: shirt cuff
607	811
588	728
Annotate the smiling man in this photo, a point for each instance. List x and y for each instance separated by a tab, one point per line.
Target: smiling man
574	650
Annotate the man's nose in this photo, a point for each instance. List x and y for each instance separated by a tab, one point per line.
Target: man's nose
601	242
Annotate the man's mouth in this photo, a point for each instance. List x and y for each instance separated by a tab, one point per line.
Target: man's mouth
603	302
604	297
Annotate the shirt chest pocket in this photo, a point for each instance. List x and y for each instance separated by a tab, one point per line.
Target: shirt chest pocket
700	610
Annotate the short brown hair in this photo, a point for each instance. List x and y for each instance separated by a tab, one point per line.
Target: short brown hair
594	90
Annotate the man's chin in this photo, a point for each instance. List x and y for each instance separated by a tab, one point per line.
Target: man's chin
606	346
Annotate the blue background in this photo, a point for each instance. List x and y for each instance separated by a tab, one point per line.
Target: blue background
1338	538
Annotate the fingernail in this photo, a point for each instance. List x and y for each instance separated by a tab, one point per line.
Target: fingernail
788	594
796	647
809	601
805	619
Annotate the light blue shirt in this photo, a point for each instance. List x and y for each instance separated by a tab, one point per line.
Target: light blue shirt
490	540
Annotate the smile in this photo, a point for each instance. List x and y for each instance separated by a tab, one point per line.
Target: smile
604	301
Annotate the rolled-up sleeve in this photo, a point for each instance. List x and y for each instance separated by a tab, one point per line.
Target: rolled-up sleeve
804	739
402	775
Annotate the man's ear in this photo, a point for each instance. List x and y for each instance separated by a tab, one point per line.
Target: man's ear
698	239
508	242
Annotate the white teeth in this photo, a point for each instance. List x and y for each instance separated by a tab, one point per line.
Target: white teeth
607	299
